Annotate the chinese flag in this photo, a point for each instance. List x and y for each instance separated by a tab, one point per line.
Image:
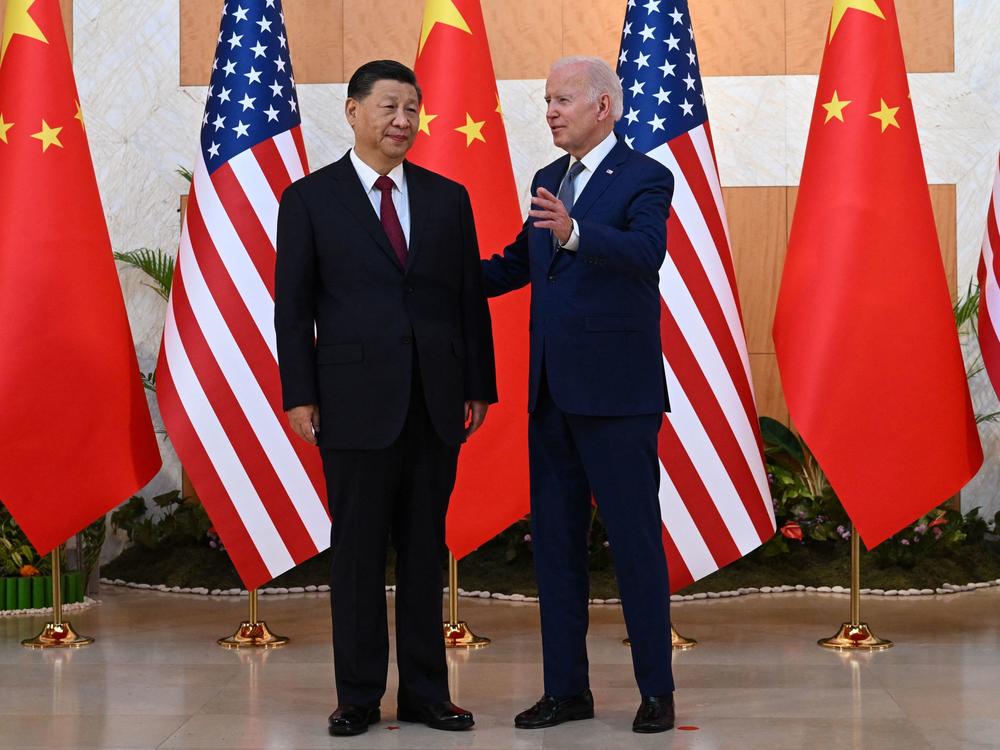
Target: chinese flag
462	137
864	332
75	433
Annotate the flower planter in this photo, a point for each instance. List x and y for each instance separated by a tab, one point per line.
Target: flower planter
35	592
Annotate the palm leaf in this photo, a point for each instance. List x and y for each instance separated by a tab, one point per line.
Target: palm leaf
155	263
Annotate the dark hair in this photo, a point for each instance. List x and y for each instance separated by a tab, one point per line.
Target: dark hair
365	78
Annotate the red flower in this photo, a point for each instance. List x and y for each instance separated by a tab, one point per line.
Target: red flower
939	521
792	530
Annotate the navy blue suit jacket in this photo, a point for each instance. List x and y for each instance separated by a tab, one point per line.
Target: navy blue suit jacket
595	313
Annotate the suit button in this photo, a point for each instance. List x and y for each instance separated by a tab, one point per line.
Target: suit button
405	340
552	277
409	290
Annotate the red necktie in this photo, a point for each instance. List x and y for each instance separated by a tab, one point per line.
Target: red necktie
390	219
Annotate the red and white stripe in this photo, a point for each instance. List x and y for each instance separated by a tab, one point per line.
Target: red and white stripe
714	496
989	291
218	385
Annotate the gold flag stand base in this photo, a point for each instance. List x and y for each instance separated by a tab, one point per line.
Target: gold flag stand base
677	641
253	633
57	635
855	637
457	633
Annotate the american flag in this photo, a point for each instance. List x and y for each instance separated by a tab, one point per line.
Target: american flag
989	290
714	497
218	386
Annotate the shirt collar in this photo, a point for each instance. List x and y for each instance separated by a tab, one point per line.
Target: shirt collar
593	158
367	175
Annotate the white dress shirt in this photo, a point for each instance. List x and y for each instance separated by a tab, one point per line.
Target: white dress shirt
591	161
400	197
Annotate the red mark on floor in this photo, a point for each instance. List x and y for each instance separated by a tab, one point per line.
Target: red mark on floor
391	727
688	728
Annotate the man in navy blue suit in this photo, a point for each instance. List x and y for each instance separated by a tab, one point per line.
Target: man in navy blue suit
591	249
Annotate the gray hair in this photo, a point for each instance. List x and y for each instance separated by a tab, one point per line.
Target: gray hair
601	79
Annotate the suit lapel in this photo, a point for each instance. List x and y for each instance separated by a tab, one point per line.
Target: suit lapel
351	193
550	178
419	200
604	175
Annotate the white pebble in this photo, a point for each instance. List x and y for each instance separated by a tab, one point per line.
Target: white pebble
484	595
765	589
296	590
865	591
838	589
310	588
690	597
892	592
701	596
234	592
878	592
824	590
811	589
216	592
800	587
615	601
324	587
905	592
531	598
942	591
713	595
520	598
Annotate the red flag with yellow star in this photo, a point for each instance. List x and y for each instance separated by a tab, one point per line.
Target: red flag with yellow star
76	437
462	137
864	332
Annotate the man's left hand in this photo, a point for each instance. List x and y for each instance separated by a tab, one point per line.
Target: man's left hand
475	415
550	213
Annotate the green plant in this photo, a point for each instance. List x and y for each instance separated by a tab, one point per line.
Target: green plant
90	542
157	264
805	506
182	522
15	551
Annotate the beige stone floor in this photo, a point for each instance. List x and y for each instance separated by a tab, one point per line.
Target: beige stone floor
156	679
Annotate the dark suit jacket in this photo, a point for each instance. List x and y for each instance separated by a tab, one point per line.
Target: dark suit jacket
595	313
336	270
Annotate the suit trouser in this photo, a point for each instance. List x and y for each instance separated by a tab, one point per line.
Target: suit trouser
401	491
613	460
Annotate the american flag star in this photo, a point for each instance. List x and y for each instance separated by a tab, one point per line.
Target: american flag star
715	501
217	378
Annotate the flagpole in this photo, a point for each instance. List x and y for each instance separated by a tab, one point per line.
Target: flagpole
457	633
677	641
253	632
855	635
57	634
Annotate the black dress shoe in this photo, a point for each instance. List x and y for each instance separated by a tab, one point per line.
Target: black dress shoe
349	720
444	715
550	711
654	715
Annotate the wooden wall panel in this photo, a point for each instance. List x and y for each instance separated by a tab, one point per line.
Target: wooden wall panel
380	29
315	33
739	38
66	6
767	387
758	231
331	38
525	36
593	28
926	27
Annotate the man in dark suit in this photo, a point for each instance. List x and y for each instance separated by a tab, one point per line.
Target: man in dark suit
379	257
591	249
